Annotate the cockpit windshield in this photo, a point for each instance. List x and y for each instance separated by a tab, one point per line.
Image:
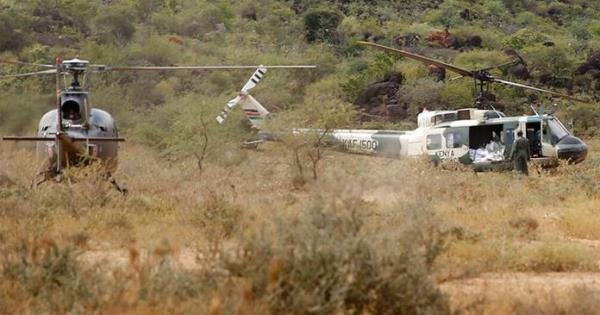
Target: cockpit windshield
557	130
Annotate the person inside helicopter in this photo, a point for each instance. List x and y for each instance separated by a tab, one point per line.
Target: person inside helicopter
70	111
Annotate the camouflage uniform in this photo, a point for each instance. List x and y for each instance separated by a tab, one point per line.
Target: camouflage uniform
520	155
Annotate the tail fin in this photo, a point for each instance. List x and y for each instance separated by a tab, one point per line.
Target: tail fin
253	110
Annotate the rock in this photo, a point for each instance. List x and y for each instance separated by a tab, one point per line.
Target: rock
518	70
473	41
592	64
249	13
379	99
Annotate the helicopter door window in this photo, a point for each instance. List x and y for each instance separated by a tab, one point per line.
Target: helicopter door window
434	142
455	139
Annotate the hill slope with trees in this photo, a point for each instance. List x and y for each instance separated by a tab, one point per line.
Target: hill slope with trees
559	41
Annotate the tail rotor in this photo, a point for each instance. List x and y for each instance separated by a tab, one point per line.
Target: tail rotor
252	82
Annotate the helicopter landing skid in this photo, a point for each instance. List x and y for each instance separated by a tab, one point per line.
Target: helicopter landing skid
48	173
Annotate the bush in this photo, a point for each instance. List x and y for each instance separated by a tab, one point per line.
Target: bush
422	93
524	38
585	118
558	258
321	25
48	277
558	60
14	31
362	73
114	24
458	94
217	216
20	114
194	20
155	51
478	59
326	262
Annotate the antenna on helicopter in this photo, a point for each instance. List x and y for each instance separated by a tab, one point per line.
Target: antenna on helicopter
482	77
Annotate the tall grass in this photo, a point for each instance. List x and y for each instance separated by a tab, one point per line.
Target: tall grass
370	235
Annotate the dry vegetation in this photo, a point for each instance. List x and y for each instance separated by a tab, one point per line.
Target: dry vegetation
370	235
291	229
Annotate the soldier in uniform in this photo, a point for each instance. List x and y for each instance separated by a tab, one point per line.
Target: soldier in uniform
520	153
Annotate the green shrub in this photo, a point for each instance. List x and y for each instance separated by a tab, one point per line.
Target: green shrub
524	38
458	94
585	118
558	60
114	24
20	114
595	29
479	59
155	51
362	73
321	24
194	20
14	31
421	93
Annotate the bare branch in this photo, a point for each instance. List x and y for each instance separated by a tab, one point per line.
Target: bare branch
202	155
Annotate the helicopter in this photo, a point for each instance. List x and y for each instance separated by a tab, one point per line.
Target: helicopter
478	136
76	133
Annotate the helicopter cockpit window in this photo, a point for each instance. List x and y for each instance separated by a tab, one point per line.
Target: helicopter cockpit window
440	118
557	130
70	110
434	142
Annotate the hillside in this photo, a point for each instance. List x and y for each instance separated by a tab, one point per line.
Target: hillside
554	38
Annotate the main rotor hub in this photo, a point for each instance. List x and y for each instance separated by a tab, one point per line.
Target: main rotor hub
75	65
483	76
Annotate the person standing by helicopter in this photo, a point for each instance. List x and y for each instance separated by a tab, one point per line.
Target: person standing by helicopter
520	153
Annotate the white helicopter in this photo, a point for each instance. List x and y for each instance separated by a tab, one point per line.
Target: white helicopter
480	137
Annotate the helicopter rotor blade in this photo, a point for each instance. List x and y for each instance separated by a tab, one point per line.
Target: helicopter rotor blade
28	74
97	139
561	95
21	63
230	105
158	68
426	60
255	78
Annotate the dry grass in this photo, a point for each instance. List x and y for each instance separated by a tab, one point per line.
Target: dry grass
492	222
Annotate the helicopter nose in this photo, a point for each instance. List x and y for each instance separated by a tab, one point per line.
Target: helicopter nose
572	149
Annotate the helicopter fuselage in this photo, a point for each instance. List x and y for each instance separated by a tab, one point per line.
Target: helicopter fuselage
99	124
457	135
